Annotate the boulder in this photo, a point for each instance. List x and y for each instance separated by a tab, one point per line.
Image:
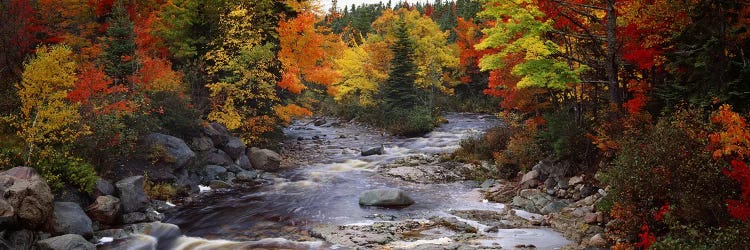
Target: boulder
218	133
70	219
211	172
575	180
234	168
134	217
131	193
22	239
597	241
234	148
105	210
264	159
530	179
217	157
66	242
25	198
553	207
201	143
532	200
103	187
244	162
373	151
385	197
168	149
246	176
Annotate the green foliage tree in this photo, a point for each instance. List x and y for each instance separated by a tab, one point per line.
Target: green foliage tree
400	91
119	56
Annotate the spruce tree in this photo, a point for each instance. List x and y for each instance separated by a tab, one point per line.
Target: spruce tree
399	91
119	53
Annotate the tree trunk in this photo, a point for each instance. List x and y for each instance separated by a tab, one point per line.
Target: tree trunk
611	68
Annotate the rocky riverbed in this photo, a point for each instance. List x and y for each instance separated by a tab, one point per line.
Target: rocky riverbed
310	196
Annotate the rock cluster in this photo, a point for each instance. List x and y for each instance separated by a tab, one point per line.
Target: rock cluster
76	220
567	202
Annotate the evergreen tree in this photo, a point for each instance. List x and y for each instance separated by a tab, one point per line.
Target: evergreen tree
119	54
399	89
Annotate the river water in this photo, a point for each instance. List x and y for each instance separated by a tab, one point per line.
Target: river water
325	178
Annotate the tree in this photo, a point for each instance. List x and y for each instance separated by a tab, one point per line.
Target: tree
400	91
434	58
242	92
19	31
48	119
307	53
119	56
520	27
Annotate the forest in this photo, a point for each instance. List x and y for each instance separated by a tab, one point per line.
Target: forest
648	98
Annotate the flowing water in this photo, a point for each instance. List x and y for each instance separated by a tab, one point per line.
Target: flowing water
325	178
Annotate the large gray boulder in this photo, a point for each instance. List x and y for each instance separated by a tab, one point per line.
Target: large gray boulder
70	219
385	197
244	162
218	133
202	143
217	157
264	159
168	149
66	242
25	198
131	193
235	148
106	209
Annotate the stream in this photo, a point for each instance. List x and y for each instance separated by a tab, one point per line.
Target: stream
326	174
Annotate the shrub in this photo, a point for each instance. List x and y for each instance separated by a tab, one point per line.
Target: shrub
564	137
668	167
416	121
59	170
173	114
160	191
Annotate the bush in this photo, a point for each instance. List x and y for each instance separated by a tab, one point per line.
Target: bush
174	115
665	178
60	170
564	137
412	122
159	191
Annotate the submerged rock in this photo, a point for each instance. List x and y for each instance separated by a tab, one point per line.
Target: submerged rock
373	151
385	197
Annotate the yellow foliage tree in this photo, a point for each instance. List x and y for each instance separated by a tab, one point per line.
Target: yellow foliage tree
48	119
363	68
243	95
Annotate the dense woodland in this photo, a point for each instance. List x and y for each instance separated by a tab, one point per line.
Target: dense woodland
649	96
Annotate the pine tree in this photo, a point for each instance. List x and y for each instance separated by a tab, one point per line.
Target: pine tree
399	91
119	56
